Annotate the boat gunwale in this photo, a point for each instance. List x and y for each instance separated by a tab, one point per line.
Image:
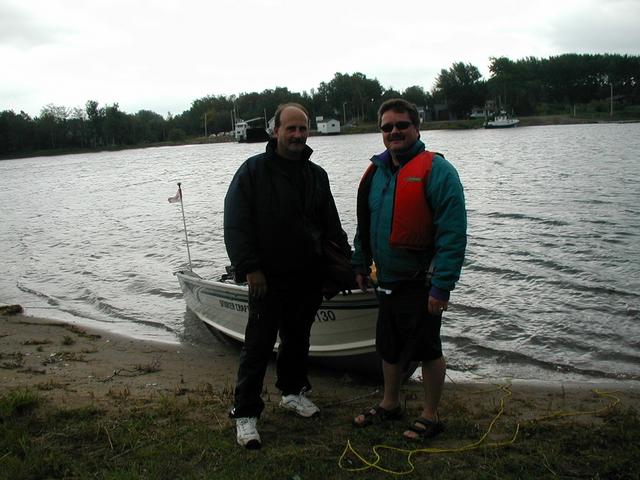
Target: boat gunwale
220	289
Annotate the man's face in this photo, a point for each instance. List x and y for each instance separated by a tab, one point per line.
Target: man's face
402	134
292	133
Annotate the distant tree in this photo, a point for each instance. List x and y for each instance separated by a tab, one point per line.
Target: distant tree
269	100
353	96
461	87
16	132
77	128
247	105
264	104
390	93
417	96
218	116
177	135
149	127
51	124
116	126
562	80
95	117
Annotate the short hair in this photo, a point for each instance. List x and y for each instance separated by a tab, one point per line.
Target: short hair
282	106
399	105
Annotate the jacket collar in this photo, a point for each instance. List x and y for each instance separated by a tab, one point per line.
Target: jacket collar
384	159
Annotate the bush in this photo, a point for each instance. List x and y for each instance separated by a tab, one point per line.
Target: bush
177	135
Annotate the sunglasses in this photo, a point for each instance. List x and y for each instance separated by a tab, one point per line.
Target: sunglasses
402	125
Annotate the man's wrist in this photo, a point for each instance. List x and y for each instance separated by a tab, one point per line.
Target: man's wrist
439	293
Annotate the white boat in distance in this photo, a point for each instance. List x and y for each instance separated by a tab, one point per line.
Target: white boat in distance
503	120
247	131
342	337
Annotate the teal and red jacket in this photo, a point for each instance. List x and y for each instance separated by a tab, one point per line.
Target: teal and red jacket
409	217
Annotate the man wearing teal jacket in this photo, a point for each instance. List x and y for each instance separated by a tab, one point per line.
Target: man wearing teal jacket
412	223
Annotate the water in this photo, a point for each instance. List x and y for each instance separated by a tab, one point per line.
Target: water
550	288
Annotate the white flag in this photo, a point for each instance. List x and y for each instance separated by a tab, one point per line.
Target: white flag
176	198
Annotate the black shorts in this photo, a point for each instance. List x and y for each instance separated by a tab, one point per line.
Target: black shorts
405	330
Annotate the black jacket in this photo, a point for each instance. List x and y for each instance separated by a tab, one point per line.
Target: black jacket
268	227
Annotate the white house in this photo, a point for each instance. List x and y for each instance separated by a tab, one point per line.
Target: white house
328	126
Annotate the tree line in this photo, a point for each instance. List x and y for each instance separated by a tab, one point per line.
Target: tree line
529	86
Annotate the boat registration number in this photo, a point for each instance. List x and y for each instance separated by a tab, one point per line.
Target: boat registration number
325	316
238	307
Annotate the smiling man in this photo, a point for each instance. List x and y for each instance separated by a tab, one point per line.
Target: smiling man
412	224
277	212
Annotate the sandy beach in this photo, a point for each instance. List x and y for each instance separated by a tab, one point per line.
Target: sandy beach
72	365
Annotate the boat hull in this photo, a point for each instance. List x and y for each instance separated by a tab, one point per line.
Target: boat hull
343	335
502	121
254	135
501	125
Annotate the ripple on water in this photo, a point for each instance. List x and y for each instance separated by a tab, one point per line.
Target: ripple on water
550	287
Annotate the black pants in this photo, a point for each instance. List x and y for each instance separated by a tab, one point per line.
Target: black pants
405	331
289	311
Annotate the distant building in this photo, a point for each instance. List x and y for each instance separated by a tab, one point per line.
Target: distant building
422	113
329	126
478	112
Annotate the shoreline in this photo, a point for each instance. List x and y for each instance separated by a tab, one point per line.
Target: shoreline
67	362
195	334
471	124
197	337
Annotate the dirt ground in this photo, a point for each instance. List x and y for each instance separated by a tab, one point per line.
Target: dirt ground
74	366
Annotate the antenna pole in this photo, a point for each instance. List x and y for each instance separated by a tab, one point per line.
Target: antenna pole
184	222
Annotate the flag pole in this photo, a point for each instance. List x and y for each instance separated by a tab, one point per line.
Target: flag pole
184	221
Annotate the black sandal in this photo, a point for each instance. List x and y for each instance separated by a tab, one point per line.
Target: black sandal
378	415
427	429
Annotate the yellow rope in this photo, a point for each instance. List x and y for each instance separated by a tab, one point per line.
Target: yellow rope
575	414
366	465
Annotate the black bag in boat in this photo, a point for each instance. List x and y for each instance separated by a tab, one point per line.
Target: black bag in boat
337	272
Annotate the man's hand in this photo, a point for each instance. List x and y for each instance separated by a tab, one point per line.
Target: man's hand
436	307
257	284
362	281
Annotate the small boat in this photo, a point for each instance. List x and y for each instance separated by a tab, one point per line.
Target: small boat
502	120
342	337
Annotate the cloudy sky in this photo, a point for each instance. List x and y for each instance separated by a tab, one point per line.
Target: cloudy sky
161	55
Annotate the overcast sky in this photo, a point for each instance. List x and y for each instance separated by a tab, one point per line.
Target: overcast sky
161	55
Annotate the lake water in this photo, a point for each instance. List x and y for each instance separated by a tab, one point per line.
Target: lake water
550	289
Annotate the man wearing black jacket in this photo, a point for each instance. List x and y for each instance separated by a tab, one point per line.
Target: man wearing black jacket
278	212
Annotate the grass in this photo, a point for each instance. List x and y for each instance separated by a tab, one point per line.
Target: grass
190	436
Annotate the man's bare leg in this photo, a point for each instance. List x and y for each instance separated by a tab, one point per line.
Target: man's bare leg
393	375
433	374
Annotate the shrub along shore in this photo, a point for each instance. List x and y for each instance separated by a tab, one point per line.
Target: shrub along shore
78	403
357	129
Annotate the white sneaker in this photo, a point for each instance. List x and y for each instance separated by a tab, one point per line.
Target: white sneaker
299	404
247	433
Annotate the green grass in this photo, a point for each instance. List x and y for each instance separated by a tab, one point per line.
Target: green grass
16	403
190	437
